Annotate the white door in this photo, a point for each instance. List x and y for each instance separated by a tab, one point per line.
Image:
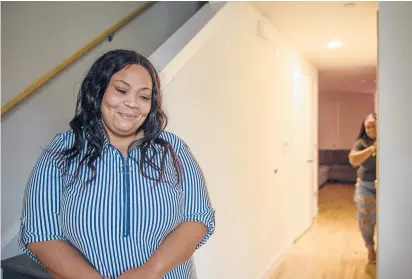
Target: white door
315	149
302	153
312	146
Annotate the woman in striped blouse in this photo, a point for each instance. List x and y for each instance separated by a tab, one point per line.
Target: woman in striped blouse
117	196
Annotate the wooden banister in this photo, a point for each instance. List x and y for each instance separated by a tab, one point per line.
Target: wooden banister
69	61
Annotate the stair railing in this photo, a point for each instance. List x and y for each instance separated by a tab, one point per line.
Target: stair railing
72	59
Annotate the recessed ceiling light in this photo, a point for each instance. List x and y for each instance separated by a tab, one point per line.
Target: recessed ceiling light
335	44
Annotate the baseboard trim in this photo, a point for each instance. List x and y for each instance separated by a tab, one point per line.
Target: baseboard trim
276	261
323	184
336	181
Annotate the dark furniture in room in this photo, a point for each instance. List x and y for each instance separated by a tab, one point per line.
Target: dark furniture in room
334	167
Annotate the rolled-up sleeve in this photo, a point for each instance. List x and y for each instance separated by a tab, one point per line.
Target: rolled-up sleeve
40	220
197	204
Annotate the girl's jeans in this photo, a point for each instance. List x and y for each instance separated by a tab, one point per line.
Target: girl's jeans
365	198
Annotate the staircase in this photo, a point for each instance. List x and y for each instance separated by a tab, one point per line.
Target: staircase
23	267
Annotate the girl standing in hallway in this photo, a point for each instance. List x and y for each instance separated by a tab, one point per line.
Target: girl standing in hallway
363	156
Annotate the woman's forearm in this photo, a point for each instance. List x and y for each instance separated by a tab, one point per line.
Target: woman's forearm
357	158
177	248
63	261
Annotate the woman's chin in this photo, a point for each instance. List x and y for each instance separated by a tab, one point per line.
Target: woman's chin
126	131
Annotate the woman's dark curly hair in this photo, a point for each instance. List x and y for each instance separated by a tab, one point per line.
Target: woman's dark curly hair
87	123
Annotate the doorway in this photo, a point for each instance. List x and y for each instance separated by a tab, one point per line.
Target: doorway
303	151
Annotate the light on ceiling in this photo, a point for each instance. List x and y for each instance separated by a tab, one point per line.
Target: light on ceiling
335	44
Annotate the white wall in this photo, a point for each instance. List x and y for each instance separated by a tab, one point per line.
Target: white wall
231	100
36	36
394	141
340	118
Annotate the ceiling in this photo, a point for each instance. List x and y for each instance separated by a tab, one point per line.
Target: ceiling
311	25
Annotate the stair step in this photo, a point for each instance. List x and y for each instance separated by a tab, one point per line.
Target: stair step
23	267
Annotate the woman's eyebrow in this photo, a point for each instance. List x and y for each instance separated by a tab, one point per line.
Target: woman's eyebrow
140	89
122	81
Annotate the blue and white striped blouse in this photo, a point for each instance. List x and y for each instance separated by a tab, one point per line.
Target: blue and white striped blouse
118	221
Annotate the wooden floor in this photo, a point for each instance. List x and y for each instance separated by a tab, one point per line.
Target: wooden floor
333	247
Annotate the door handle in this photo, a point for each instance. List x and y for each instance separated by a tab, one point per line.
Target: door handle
309	161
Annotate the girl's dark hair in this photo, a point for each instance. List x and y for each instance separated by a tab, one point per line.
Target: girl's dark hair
362	134
87	123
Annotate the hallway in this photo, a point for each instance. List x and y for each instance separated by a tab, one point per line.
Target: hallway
333	247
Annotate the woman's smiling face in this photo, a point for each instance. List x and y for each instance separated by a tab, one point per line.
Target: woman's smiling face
127	101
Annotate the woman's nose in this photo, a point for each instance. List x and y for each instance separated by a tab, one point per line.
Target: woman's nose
131	101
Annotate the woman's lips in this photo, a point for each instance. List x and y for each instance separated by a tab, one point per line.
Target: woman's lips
127	116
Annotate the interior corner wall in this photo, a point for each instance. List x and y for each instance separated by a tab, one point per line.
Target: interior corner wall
231	102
